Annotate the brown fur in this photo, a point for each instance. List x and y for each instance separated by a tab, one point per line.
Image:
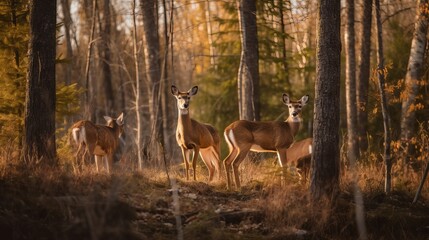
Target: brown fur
243	136
299	155
191	135
98	140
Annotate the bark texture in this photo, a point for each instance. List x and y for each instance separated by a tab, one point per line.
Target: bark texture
414	75
363	75
40	97
325	162
248	73
352	140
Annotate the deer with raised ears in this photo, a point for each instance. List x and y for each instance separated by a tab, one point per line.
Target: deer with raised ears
98	140
244	136
191	135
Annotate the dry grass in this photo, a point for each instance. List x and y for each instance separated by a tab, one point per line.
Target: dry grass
63	203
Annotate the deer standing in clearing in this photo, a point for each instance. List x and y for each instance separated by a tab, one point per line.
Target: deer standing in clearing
243	136
98	140
191	135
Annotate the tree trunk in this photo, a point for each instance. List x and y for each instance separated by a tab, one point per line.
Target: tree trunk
137	91
283	42
40	99
248	73
207	11
326	155
363	78
152	63
89	98
386	119
65	5
414	74
352	143
109	99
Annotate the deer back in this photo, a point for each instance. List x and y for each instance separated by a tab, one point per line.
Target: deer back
300	149
266	135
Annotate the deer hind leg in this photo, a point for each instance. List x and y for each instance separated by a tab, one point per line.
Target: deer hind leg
242	153
209	158
227	162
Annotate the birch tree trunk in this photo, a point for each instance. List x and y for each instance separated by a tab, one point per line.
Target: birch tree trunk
384	108
137	89
414	74
39	118
352	143
248	73
324	183
363	78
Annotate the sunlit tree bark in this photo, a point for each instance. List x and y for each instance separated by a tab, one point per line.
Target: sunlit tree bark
352	143
414	74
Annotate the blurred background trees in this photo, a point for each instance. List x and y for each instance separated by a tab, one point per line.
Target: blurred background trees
198	43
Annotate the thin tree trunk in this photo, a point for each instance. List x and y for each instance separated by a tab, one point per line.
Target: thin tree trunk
210	34
326	155
65	5
137	90
352	143
109	99
248	75
283	43
39	119
414	75
363	78
384	107
89	110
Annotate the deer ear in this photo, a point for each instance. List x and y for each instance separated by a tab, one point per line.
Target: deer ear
193	91
286	99
107	118
120	119
174	90
304	100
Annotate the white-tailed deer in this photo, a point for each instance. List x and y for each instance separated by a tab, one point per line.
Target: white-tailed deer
300	155
98	140
243	136
202	138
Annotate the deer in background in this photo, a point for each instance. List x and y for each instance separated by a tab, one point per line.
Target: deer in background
243	136
191	135
300	155
98	140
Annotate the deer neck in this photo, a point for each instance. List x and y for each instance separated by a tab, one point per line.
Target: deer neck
294	124
184	121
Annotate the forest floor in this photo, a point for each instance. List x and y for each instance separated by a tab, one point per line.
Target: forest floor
58	205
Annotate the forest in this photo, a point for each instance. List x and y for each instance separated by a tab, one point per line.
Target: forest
305	119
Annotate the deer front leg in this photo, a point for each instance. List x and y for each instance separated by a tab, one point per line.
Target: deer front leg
108	162
194	161
185	154
98	159
282	155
